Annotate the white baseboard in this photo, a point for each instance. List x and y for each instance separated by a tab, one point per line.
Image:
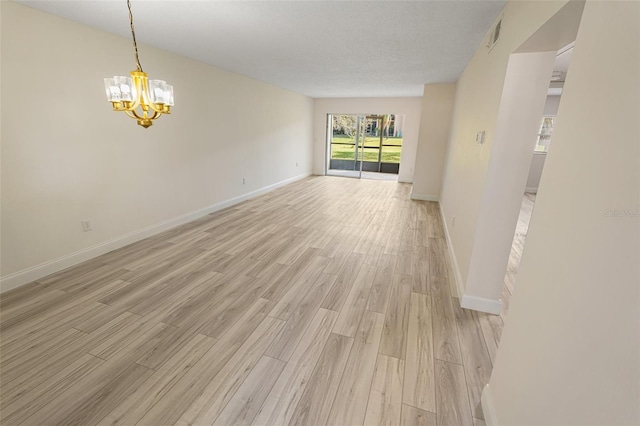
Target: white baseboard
487	407
481	304
424	197
28	275
531	189
452	255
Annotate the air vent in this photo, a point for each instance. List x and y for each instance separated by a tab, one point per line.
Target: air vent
495	34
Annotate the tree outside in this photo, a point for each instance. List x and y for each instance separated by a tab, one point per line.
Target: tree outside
343	139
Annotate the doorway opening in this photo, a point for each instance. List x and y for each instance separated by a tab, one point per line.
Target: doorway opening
543	142
365	146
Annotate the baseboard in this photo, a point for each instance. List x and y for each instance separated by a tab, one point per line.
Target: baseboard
424	197
487	407
452	255
36	272
481	304
531	189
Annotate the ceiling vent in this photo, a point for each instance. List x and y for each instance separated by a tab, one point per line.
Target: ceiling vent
494	36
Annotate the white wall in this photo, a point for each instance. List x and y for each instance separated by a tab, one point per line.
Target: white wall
570	349
551	105
409	107
66	156
535	171
435	123
477	101
518	122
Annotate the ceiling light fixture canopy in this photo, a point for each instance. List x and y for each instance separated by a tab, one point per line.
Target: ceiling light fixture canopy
140	98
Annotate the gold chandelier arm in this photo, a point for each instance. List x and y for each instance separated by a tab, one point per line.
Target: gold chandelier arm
132	113
130	107
159	108
135	104
144	83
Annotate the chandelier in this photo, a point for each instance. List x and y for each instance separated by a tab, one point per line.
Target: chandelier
137	96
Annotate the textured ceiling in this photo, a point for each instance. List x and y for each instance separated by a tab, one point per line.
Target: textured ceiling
317	48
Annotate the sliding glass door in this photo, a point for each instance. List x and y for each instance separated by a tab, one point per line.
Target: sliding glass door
346	144
369	144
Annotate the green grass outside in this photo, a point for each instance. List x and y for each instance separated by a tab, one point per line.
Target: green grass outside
390	154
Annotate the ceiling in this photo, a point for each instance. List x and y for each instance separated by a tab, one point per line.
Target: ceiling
317	48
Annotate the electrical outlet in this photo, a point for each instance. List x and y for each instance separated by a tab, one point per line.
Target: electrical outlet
453	222
244	181
296	164
480	137
86	225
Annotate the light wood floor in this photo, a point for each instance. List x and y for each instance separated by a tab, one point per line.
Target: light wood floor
324	302
517	247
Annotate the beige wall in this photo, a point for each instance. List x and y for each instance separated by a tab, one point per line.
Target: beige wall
570	348
67	157
409	107
435	122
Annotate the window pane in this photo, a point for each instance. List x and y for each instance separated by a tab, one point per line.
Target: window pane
544	135
342	152
547	125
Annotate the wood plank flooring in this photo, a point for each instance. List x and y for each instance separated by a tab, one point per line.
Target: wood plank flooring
517	248
325	302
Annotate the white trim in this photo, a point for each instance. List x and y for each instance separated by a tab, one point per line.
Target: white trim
488	409
29	275
481	304
452	255
424	197
532	189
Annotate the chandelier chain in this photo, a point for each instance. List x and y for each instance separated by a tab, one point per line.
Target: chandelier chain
133	34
